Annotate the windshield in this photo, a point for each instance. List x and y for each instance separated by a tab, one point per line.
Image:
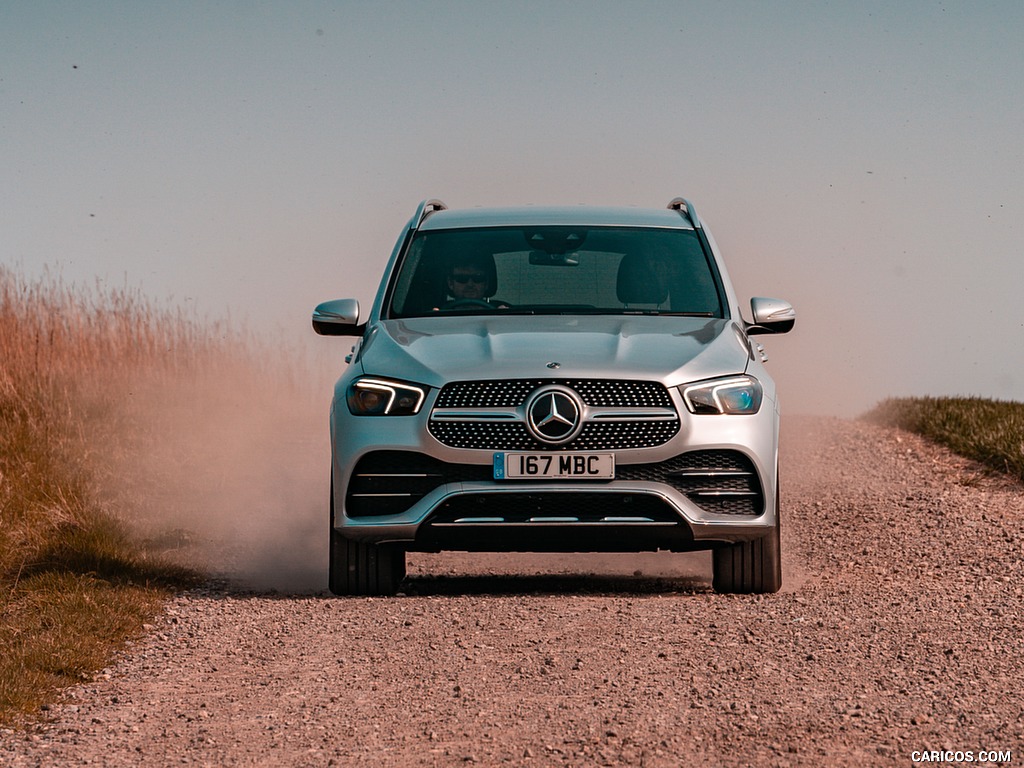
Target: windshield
556	270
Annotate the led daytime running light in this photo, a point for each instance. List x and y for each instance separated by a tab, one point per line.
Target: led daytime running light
392	390
712	397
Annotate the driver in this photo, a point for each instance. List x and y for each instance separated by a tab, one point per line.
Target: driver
467	280
470	280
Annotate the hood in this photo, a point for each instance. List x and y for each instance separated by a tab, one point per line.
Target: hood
436	350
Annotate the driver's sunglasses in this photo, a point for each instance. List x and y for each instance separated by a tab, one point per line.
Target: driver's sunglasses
463	279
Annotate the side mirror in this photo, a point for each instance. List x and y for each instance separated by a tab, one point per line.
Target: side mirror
771	316
338	318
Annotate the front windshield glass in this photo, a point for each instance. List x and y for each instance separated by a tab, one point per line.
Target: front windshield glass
556	270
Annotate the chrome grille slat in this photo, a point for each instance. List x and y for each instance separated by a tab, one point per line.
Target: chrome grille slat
712	494
609	523
701	473
395	474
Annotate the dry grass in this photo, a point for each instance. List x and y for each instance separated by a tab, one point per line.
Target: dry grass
74	583
988	431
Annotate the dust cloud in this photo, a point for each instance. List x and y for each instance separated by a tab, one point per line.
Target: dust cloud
227	471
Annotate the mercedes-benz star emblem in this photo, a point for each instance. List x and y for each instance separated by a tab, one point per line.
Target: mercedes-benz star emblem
554	414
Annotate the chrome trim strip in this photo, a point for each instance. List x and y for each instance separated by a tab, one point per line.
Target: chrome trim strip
630	414
710	473
397	474
553	519
471	522
589	414
464	414
703	494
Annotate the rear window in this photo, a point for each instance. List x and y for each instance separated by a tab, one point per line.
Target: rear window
556	270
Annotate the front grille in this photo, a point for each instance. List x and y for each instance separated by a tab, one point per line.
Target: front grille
612	393
722	482
646	416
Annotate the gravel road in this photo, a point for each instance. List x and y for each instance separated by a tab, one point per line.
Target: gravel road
899	630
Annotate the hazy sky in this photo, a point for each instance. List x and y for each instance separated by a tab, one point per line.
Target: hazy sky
863	160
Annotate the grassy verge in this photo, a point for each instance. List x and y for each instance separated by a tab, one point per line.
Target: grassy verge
988	431
74	582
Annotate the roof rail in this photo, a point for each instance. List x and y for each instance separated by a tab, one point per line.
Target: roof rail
681	204
426	208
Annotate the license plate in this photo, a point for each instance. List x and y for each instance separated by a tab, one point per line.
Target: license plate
541	466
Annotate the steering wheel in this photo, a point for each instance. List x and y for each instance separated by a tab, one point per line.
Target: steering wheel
467	303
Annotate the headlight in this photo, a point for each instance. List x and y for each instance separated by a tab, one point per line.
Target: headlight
381	397
734	395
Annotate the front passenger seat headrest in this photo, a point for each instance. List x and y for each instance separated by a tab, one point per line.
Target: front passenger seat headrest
638	281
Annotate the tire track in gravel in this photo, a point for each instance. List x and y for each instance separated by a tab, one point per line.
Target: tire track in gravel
899	629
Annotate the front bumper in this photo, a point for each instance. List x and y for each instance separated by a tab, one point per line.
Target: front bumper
394	482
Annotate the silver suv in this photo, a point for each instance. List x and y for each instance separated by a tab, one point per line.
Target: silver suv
562	379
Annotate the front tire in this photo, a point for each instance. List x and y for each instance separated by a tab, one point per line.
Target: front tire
750	567
358	568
